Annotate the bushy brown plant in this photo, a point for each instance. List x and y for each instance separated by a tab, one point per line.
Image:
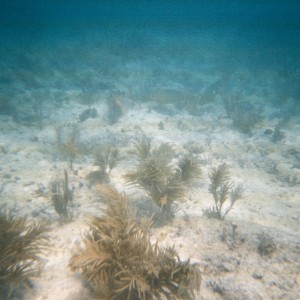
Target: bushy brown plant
164	180
106	158
120	262
21	242
222	190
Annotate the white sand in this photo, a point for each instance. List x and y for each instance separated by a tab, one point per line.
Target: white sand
271	204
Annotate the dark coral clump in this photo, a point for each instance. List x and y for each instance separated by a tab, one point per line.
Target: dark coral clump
62	197
266	245
87	114
244	115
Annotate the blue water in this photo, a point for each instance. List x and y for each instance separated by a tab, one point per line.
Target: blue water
269	23
43	38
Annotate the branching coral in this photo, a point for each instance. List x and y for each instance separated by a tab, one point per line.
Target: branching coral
222	189
107	158
156	173
67	140
62	197
120	262
21	242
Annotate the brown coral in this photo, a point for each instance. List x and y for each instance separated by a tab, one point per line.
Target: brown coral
21	242
121	263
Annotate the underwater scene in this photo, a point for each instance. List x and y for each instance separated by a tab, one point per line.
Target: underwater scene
149	150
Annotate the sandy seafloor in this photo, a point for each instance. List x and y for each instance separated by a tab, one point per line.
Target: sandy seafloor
269	171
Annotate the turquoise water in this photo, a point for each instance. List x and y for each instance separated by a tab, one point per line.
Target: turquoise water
40	38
